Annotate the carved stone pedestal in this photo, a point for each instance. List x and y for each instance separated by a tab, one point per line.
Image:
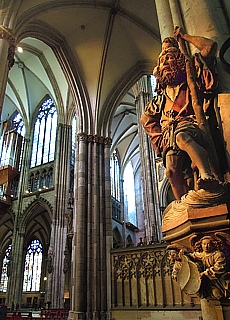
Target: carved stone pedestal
181	223
214	310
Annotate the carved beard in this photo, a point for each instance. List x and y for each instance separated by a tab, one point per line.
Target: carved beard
174	77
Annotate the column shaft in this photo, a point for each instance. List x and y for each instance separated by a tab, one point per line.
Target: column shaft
165	18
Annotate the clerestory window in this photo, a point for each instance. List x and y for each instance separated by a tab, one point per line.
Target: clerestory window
115	176
45	127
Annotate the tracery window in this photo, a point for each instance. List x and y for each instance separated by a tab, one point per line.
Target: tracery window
5	270
11	142
40	180
45	128
153	84
19	124
33	264
115	176
129	193
73	145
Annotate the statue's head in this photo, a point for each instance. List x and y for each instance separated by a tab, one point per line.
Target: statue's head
208	244
169	42
170	69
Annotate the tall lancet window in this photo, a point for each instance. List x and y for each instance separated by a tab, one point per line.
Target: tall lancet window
74	135
11	142
45	127
6	269
153	84
19	124
20	128
33	265
115	176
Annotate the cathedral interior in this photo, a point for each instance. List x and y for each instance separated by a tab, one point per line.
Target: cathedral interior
82	192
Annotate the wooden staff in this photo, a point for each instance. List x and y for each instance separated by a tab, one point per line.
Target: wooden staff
198	109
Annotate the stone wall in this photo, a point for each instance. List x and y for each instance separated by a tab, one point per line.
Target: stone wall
142	287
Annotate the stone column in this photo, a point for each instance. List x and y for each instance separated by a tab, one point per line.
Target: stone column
209	20
7	49
14	290
80	241
108	224
92	230
165	18
56	277
223	106
17	261
151	196
2	256
176	14
124	215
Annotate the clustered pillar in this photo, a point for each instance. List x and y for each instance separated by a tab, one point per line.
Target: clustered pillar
92	229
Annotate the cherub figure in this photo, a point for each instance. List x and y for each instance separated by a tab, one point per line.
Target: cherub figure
213	272
211	264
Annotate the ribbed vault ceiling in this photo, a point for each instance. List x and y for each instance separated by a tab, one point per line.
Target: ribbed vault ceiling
106	47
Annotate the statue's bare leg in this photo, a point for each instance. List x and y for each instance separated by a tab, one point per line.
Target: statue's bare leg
199	158
174	164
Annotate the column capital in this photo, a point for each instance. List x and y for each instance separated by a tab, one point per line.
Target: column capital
82	136
94	139
6	34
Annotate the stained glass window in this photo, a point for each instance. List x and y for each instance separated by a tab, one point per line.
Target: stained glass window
73	147
11	143
32	270
129	193
5	270
20	128
115	176
153	84
19	124
45	127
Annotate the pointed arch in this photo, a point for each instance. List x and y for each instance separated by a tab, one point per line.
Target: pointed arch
68	64
117	239
36	221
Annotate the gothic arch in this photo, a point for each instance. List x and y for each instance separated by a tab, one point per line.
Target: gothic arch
36	221
129	241
117	239
119	90
70	70
6	229
166	195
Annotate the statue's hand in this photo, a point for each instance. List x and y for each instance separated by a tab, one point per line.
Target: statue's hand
178	32
203	274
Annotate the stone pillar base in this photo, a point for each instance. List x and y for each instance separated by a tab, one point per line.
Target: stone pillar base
213	310
226	310
73	315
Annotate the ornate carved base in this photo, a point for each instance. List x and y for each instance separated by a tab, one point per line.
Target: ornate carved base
197	228
214	310
179	225
199	211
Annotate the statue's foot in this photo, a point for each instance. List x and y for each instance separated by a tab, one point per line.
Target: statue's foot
207	182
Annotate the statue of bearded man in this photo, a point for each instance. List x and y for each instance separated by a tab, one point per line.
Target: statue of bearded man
170	121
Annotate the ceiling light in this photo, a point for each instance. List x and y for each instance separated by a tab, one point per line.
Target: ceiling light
19	49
